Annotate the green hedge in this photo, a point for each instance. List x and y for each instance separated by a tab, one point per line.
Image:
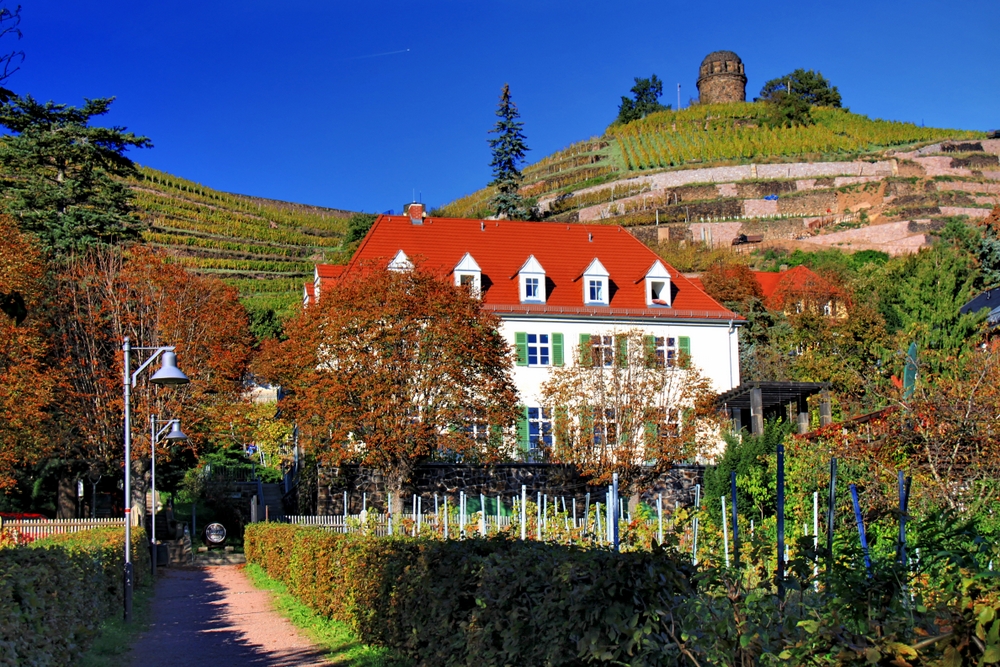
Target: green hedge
481	602
55	593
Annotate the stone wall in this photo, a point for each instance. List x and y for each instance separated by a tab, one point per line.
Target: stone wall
722	88
676	485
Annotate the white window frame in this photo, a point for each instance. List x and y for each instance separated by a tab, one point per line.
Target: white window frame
468	269
543	349
603	348
540	427
531	269
658	275
665	350
596	273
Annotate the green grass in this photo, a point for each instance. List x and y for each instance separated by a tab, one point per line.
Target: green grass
335	637
116	637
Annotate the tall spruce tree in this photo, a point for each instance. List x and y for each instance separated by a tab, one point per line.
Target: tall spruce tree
62	179
508	151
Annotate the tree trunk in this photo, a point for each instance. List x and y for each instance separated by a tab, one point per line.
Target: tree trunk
66	495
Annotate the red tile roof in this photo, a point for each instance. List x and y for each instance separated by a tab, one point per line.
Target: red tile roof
332	271
501	247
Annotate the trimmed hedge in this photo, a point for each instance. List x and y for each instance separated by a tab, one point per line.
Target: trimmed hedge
55	593
482	602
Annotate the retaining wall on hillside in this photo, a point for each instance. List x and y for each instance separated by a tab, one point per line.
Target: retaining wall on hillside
446	479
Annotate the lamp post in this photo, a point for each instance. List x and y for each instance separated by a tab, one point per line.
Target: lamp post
168	374
175	435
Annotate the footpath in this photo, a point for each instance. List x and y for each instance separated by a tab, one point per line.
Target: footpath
212	616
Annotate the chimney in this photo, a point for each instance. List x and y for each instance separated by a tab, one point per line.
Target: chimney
416	213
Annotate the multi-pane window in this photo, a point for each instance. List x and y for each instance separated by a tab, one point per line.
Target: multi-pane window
605	428
477	428
665	349
539	428
531	288
602	350
596	290
538	349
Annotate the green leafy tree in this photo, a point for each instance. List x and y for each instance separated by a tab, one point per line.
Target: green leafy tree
806	85
63	179
358	225
645	100
508	152
787	110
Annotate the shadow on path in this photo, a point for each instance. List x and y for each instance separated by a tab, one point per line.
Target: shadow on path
212	617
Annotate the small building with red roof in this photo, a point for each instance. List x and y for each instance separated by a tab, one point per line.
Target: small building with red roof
559	289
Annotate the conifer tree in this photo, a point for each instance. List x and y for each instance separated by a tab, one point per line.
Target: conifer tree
508	151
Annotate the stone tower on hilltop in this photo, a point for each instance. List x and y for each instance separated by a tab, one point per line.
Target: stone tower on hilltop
721	79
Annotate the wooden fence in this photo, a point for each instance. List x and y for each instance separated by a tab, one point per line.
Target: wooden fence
29	530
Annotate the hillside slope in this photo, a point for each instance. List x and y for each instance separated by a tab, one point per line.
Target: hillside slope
699	136
265	248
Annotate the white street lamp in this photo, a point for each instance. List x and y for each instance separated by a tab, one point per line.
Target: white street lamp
175	435
168	374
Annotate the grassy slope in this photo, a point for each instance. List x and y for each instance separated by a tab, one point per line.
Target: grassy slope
701	136
265	248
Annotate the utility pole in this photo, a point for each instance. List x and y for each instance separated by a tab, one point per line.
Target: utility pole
678	97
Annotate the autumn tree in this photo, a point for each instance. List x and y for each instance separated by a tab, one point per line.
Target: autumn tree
731	282
628	405
391	368
111	293
27	382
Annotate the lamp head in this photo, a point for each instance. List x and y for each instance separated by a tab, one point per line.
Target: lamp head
175	434
169	374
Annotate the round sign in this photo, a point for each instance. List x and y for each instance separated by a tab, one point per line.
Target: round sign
215	533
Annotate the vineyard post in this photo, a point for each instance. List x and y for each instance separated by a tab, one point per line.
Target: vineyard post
614	485
781	521
861	528
736	527
538	515
524	498
830	511
694	541
659	518
498	514
586	512
725	529
575	526
816	537
482	514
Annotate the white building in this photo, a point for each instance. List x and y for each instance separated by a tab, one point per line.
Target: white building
557	286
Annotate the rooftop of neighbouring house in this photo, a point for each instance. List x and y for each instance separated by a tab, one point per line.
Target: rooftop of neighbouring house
774	285
501	248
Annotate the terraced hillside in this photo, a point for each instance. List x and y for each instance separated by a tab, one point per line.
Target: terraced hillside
265	248
723	134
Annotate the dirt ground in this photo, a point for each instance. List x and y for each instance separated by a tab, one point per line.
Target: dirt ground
212	616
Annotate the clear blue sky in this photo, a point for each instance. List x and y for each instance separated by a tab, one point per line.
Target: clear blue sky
293	100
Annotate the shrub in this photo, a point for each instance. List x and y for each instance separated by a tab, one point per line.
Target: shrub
55	593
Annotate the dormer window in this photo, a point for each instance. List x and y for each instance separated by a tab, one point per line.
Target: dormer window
532	281
658	286
469	275
595	284
400	262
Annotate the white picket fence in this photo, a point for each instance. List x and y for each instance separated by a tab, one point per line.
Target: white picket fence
29	530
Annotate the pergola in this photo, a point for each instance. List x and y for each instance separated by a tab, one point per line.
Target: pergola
753	402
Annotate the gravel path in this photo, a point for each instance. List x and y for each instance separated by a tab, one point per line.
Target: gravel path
207	617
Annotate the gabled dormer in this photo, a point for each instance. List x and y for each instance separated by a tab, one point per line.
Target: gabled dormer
469	275
595	284
657	286
400	262
531	280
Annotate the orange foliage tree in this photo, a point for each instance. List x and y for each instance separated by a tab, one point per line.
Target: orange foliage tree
26	381
629	412
390	368
729	282
112	293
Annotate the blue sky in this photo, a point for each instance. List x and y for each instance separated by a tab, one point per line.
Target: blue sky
312	101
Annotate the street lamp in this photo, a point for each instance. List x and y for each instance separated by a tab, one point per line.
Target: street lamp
175	435
168	374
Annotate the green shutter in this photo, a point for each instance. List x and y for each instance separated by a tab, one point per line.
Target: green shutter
522	429
561	428
621	351
521	344
586	425
649	345
557	349
684	345
586	356
651	433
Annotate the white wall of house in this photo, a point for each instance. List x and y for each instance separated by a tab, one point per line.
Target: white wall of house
713	346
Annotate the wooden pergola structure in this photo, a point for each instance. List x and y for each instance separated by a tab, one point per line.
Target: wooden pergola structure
753	402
